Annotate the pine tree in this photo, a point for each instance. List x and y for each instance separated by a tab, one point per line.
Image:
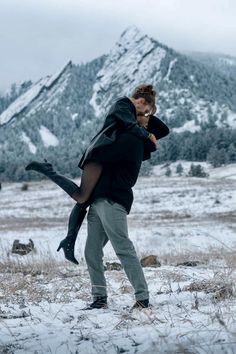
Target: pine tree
197	171
231	153
212	156
168	172
179	169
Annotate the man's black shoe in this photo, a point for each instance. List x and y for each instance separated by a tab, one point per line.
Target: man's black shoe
141	304
99	303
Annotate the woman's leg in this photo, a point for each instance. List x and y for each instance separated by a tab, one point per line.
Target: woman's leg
89	179
47	170
75	220
90	176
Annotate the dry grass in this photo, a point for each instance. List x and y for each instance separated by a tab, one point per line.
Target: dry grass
33	281
220	290
211	258
27	282
52	281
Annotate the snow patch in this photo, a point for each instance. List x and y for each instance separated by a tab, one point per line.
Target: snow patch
189	126
26	139
48	138
74	116
231	118
169	69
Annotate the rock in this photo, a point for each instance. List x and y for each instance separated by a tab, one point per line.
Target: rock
112	266
188	263
21	248
150	261
217	201
24	187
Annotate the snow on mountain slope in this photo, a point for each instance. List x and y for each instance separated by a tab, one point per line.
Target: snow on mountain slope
21	102
28	97
27	140
189	125
48	138
172	63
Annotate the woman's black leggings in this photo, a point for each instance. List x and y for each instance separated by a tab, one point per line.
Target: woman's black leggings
90	176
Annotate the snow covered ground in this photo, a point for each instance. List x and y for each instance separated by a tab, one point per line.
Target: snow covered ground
176	218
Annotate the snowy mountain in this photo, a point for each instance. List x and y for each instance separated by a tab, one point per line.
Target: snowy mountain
38	90
53	120
56	116
223	63
189	93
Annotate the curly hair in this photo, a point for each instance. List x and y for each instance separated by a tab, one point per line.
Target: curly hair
148	93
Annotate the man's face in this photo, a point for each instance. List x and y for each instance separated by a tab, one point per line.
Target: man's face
143	120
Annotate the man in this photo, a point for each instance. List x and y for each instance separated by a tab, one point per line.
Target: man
107	217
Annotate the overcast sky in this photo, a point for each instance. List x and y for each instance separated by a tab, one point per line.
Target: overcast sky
37	37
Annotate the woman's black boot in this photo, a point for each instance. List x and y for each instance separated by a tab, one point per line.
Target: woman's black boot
42	167
75	220
46	169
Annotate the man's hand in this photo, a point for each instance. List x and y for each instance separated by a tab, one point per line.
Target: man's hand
153	139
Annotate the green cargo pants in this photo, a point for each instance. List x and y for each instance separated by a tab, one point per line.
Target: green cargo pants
107	221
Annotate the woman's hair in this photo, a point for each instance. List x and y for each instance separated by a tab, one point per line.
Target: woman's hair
148	93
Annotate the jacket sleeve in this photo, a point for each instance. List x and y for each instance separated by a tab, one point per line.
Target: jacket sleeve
127	147
124	116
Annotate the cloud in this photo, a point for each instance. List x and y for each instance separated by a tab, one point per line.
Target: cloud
38	37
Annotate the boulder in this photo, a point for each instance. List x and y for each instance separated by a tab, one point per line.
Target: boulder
188	264
24	187
113	266
22	248
150	261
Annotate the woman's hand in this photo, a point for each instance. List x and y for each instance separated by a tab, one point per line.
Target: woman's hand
153	139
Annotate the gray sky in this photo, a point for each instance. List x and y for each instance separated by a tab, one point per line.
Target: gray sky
37	37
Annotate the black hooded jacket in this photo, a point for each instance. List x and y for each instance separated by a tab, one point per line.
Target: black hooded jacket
122	115
121	166
121	146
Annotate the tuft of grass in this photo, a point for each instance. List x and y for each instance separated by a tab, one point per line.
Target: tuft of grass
220	290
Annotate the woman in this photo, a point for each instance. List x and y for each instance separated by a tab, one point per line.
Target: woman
122	115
